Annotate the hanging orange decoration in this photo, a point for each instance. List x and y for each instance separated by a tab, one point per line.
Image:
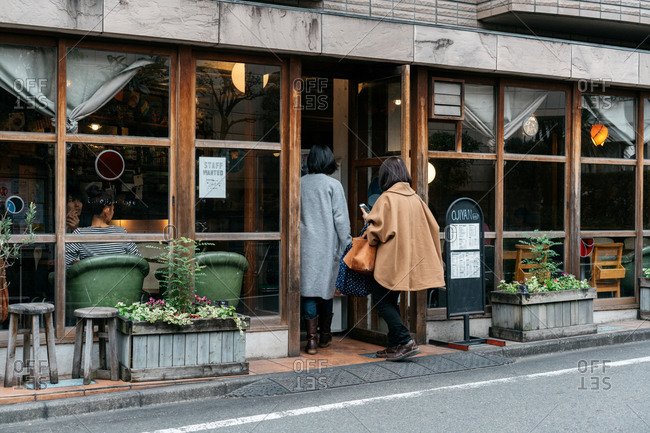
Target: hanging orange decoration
599	134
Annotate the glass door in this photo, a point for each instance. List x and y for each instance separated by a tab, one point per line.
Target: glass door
379	131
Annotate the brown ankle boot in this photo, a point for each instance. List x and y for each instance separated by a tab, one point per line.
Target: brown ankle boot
325	325
311	325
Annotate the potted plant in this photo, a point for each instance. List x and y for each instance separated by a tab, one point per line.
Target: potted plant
181	335
644	295
11	251
542	305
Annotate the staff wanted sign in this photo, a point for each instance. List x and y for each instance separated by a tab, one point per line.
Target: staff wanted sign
212	177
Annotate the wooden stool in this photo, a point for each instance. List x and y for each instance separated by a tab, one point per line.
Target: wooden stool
16	311
106	318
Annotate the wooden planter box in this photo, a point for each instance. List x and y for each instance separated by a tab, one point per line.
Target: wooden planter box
159	351
541	316
644	298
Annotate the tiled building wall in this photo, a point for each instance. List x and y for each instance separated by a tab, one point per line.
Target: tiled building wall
628	11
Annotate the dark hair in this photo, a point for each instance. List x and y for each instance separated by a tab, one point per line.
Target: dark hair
98	199
392	171
74	192
321	160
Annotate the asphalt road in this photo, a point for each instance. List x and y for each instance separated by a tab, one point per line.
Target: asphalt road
593	390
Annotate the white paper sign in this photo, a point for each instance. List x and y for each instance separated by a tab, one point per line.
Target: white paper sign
212	177
464	237
466	264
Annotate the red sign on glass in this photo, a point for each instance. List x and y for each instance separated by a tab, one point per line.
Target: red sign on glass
109	165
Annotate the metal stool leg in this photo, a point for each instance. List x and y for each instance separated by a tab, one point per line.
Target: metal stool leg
11	351
88	353
78	349
51	352
36	335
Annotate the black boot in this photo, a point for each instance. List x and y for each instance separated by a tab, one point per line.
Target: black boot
325	325
311	325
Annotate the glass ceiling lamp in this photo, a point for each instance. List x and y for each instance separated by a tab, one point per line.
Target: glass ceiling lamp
238	75
599	134
431	172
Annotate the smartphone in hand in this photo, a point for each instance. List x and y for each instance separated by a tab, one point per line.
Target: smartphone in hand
365	207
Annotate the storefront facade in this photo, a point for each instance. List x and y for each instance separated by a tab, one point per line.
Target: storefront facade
503	118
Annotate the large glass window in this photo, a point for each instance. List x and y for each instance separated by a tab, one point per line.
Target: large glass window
141	193
608	126
380	118
479	132
246	198
237	101
607	201
29	276
533	196
534	121
27	88
27	171
456	178
261	286
116	93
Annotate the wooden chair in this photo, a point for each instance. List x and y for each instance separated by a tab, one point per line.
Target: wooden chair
523	270
606	268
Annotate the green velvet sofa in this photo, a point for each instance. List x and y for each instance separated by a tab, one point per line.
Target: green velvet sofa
220	280
105	280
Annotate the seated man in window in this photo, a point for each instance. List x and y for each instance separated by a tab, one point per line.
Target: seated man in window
102	207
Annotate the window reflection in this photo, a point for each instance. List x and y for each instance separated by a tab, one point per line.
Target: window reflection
115	93
237	101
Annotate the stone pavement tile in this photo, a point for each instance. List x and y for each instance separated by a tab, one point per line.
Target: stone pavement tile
56	395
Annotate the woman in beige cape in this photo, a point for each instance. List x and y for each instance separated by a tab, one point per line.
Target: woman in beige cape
408	252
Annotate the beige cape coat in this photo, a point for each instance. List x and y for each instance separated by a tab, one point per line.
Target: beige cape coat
407	239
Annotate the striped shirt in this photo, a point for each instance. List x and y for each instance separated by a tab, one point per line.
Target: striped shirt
78	251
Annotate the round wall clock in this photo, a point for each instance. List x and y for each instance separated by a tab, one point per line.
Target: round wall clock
530	126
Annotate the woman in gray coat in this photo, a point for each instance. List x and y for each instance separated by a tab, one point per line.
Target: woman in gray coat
324	234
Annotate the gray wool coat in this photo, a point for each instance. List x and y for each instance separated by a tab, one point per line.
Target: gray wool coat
324	233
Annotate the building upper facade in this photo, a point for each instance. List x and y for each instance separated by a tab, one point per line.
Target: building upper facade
490	36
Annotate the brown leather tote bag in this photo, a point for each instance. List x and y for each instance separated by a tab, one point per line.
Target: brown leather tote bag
361	257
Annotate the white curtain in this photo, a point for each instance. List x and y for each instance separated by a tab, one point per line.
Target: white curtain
618	116
518	105
93	79
29	74
480	111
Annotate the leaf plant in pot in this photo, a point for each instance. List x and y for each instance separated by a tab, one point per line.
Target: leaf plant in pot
180	335
9	251
543	304
179	305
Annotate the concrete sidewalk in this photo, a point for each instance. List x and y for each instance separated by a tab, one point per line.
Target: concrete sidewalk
311	374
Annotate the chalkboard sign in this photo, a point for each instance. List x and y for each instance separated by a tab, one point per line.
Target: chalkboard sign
464	239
